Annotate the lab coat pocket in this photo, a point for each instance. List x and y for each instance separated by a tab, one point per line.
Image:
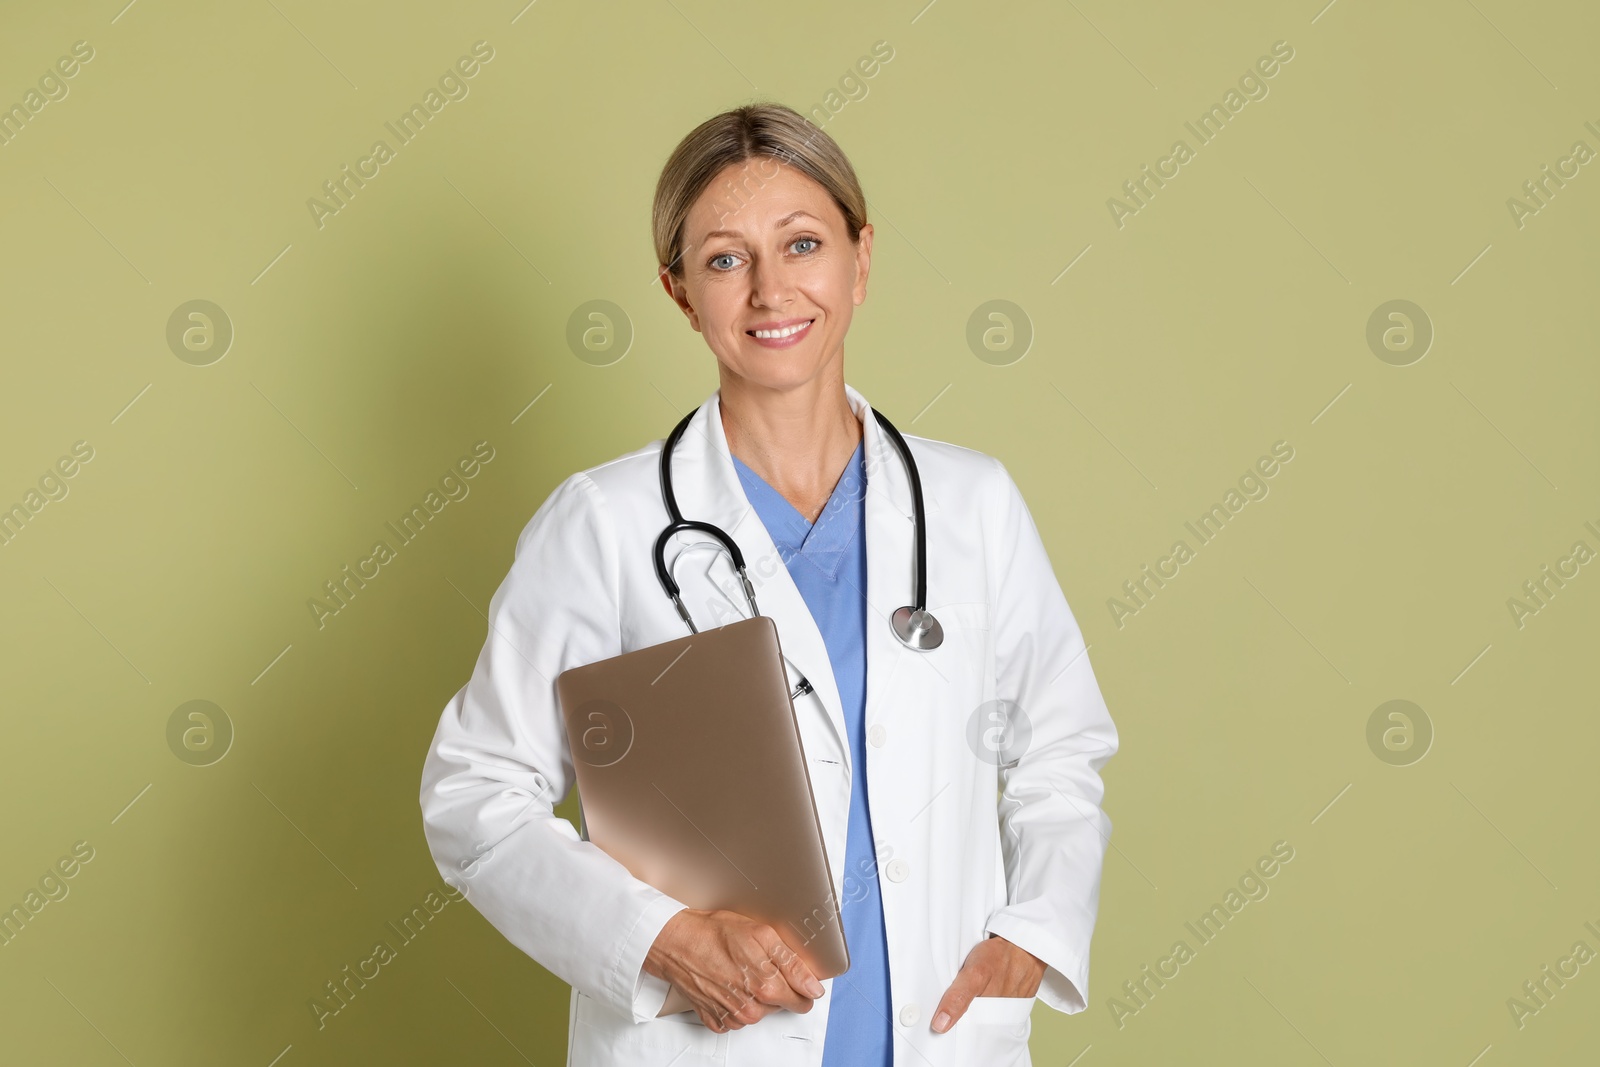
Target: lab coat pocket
998	1029
602	1038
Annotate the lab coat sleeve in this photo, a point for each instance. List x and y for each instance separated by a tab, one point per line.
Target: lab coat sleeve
500	762
1053	832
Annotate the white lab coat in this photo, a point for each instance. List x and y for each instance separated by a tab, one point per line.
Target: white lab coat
955	863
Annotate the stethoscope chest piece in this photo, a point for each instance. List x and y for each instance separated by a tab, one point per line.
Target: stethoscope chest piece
917	628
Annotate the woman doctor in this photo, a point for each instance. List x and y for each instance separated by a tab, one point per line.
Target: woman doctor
960	906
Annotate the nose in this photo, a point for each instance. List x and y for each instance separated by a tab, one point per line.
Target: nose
770	285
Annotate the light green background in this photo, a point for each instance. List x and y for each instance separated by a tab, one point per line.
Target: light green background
1228	314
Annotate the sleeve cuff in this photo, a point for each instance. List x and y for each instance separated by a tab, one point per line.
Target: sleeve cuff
649	996
646	994
1066	976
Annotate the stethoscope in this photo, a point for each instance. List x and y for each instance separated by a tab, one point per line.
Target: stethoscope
913	624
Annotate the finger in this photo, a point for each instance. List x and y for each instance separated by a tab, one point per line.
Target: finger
796	972
970	982
786	981
726	1015
761	988
738	1010
716	1004
760	992
712	1015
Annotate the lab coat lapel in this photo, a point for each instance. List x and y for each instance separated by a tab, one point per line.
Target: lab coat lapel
708	489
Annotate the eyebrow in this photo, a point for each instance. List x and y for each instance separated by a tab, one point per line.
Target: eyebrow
780	224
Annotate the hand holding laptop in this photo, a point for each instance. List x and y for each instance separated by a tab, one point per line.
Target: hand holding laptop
733	970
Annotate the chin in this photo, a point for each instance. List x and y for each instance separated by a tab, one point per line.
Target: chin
779	372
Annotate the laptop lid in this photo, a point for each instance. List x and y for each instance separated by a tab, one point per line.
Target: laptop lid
691	773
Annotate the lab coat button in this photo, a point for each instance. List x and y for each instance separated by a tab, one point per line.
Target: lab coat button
876	735
909	1015
897	870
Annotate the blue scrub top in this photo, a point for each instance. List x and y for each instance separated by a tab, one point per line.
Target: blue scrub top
828	562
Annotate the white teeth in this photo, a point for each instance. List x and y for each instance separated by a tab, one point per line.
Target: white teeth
787	331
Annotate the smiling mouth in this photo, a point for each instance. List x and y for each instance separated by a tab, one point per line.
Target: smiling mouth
778	335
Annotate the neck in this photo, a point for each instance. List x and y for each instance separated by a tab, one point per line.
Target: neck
797	439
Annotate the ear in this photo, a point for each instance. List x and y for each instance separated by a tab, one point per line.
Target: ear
863	263
680	296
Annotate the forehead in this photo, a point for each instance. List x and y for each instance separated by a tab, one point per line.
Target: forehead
751	196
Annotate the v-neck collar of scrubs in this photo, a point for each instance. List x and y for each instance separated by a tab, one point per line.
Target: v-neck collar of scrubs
825	543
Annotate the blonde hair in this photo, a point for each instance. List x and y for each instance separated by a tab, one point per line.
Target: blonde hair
754	131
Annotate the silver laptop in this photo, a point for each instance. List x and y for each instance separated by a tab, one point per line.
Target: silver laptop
691	773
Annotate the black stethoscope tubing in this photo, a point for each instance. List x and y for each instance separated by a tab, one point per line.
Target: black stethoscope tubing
913	625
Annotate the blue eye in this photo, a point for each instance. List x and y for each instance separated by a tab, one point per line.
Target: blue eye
714	259
805	240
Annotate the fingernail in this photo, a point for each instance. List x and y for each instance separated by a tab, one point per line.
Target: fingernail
941	1022
814	987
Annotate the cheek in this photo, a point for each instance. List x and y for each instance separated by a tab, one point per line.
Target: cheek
830	287
713	309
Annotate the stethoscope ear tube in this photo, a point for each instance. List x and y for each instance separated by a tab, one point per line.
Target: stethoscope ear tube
919	600
667	495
